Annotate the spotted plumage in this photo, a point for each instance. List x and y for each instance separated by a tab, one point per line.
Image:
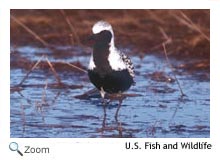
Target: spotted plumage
128	64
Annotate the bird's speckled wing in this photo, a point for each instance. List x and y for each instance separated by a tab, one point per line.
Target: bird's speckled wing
128	64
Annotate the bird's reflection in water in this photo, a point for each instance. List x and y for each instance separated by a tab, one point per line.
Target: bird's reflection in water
118	126
105	104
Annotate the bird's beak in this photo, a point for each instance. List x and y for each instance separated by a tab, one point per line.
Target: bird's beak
91	40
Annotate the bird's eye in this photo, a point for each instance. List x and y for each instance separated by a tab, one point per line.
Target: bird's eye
106	35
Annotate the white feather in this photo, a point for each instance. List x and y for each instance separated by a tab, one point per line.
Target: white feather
91	63
115	59
101	26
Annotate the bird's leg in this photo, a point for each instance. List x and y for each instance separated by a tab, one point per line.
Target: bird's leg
102	92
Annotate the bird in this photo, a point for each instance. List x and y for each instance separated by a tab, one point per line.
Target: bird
109	69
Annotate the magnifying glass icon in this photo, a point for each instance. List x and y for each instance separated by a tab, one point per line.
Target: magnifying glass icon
13	146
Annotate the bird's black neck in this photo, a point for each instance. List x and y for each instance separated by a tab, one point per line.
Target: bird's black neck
100	57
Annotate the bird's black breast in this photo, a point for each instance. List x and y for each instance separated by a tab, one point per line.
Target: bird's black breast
112	82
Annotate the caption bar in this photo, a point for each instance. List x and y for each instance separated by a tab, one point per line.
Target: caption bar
164	146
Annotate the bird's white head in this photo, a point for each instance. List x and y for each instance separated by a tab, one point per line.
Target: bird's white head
101	26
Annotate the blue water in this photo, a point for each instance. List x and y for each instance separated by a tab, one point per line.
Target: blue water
158	110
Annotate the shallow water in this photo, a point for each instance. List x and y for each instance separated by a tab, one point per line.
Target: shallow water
40	109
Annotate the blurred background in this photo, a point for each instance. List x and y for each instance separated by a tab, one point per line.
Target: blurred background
142	30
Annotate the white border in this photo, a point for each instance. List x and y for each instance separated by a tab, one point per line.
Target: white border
84	148
107	4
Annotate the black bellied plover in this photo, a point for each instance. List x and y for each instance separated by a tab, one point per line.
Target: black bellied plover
110	70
